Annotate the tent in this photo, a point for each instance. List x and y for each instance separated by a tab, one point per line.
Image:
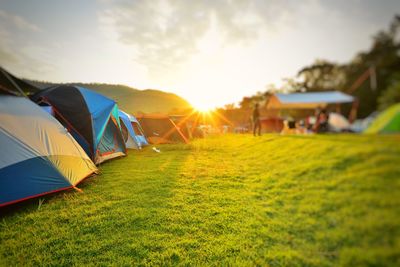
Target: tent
188	124
360	125
160	129
38	156
91	118
132	132
309	100
387	122
140	136
338	123
9	84
181	121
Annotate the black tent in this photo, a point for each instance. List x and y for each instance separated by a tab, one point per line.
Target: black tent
91	118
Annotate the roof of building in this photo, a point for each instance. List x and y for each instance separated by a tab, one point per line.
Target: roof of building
308	100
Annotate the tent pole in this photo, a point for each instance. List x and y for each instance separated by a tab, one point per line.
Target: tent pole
353	111
13	82
338	108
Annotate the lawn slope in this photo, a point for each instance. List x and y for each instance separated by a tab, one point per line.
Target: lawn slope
232	200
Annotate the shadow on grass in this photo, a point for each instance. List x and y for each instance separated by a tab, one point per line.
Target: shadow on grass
33	204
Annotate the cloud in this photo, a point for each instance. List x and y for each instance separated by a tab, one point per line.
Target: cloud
166	33
6	55
22	60
18	21
17	51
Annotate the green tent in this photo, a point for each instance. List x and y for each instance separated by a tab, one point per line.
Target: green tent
388	122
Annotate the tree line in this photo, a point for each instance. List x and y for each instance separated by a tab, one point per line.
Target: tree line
372	76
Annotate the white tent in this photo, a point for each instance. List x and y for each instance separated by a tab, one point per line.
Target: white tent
38	156
338	123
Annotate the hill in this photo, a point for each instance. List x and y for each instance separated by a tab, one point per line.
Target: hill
133	100
224	201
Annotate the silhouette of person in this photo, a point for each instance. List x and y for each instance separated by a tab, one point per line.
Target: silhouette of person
256	120
322	122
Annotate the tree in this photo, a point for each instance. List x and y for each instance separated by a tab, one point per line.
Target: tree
245	103
248	102
230	106
291	85
383	56
322	75
390	97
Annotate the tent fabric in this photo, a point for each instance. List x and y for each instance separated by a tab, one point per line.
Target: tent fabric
100	108
308	100
124	131
9	84
48	109
140	136
38	155
86	115
161	129
134	134
71	110
338	122
128	132
109	143
387	122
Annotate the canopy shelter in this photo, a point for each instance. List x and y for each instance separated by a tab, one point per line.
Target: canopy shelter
188	124
38	156
181	121
9	84
132	132
309	100
160	129
91	118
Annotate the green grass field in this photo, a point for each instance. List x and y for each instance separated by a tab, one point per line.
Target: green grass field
231	200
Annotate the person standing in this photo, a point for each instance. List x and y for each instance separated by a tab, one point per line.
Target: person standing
256	120
322	122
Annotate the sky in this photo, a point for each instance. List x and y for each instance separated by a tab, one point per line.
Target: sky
210	52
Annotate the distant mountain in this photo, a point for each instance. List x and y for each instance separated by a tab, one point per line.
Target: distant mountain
133	100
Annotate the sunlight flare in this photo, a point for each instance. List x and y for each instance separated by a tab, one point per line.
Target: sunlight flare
203	107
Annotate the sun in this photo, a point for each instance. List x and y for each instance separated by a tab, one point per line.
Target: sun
203	106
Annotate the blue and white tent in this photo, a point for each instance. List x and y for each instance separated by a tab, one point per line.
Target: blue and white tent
38	156
132	131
